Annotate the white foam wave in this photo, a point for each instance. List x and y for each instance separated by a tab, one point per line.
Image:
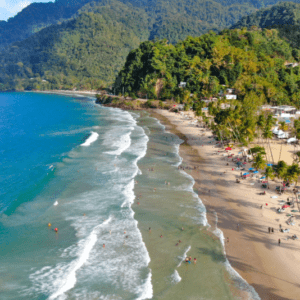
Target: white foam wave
92	138
70	280
55	203
175	277
238	279
182	258
122	144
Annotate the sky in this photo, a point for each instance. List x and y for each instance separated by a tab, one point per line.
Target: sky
9	8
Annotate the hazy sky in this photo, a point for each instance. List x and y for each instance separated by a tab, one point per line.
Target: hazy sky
9	8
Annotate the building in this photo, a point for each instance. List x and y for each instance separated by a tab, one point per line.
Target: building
230	97
182	84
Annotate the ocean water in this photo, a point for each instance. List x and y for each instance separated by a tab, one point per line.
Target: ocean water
80	167
71	163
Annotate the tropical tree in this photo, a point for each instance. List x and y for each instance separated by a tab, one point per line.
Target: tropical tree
267	134
292	173
257	150
259	162
269	173
281	169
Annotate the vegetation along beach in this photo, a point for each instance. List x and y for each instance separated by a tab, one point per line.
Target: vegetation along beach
150	150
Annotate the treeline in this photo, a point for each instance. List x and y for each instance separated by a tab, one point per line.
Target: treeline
84	53
284	16
250	61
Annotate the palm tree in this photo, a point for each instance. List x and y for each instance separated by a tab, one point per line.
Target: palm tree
261	123
257	150
292	173
268	135
259	162
281	169
269	173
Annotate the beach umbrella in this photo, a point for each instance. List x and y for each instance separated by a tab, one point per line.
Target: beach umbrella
285	206
250	169
294	210
238	163
255	172
244	163
228	148
269	165
263	177
246	174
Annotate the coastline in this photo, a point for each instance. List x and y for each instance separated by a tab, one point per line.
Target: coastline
253	253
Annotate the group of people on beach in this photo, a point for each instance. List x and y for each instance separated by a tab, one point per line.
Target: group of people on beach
189	260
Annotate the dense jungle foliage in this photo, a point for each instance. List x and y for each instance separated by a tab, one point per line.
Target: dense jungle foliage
251	62
84	53
284	16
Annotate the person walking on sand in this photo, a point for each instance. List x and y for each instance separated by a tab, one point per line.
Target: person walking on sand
272	230
195	260
238	227
269	229
279	242
149	229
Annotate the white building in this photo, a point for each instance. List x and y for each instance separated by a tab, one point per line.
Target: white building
230	97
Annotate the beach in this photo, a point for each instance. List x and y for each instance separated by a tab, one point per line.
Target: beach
271	269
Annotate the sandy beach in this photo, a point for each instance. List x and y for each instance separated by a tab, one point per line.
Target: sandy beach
235	208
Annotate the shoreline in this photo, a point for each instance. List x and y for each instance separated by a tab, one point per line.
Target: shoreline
252	253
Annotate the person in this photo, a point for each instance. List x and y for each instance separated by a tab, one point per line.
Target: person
179	241
186	259
149	229
190	258
124	231
177	244
56	229
269	229
161	236
195	260
49	224
182	228
272	230
238	226
103	246
228	240
279	242
110	232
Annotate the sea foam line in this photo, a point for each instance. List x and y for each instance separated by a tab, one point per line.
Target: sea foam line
182	258
70	280
243	284
92	138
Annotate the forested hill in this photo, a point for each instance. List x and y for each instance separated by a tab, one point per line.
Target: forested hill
83	53
284	16
172	19
252	62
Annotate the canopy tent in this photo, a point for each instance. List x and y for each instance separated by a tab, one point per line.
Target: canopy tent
275	130
287	121
285	206
228	148
291	140
246	174
269	165
255	172
250	169
263	177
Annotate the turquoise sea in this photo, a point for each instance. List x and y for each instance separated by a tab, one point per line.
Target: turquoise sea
74	164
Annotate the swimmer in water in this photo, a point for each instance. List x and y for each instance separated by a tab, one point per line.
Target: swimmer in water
103	246
161	236
124	231
110	232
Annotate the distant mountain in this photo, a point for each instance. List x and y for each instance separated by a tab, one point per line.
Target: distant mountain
83	43
284	16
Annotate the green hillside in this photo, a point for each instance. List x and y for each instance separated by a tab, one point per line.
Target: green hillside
82	53
251	62
284	16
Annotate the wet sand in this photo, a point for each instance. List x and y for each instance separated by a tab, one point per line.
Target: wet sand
254	253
